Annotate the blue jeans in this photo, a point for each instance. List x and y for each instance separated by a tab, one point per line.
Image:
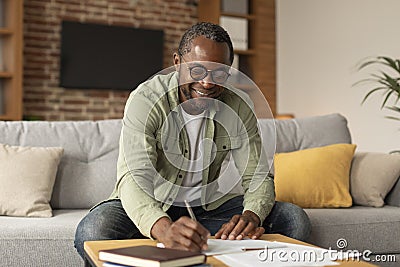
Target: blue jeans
110	221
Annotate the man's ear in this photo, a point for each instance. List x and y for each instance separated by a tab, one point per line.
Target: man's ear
177	61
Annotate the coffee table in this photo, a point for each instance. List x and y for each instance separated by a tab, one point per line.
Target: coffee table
92	250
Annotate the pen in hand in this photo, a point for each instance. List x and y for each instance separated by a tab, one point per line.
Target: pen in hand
189	208
190	211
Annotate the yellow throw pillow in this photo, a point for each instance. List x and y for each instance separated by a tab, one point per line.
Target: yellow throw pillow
316	177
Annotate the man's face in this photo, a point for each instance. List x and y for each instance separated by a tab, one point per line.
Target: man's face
211	55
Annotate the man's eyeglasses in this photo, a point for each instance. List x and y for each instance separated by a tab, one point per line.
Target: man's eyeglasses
199	72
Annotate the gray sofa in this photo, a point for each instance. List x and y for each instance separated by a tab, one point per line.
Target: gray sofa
86	175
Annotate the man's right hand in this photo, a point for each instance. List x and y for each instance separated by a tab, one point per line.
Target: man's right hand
185	234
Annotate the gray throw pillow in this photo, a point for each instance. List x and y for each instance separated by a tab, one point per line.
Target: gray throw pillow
372	177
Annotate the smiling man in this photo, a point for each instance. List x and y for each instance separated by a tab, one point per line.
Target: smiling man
195	83
178	128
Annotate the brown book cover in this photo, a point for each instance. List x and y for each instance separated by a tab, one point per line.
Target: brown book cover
151	256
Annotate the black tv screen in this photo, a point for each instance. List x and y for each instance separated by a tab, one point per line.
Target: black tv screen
108	57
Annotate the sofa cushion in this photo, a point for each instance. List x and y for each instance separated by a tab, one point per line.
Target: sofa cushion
87	171
61	226
372	177
27	176
40	241
316	177
375	229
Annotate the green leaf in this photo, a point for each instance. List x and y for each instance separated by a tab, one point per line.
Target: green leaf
392	118
398	64
389	62
383	80
393	83
394	108
371	92
365	64
392	63
365	81
386	98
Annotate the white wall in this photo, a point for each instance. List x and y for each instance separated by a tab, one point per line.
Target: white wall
319	43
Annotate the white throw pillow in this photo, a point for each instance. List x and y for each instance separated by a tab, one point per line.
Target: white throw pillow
27	176
372	177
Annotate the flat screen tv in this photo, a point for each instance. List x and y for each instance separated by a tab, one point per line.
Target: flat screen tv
97	56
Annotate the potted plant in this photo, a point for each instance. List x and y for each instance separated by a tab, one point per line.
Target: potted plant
387	81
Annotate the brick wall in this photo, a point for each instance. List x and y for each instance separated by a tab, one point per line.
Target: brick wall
43	98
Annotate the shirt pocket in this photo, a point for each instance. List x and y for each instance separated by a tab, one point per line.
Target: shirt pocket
169	148
227	143
223	145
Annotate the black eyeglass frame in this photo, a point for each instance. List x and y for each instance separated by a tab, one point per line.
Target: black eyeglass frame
205	72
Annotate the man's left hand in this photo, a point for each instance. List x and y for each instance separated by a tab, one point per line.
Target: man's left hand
240	226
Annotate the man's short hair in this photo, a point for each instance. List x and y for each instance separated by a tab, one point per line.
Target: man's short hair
208	30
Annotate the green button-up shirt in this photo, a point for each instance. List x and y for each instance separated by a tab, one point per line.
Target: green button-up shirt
154	151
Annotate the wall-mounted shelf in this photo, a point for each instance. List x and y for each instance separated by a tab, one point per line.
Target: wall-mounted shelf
236	15
5	74
249	52
6	31
258	60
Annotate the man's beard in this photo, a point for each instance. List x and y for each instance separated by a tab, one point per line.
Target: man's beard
198	104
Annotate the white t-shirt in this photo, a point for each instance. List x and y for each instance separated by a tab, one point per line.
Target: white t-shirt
191	184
